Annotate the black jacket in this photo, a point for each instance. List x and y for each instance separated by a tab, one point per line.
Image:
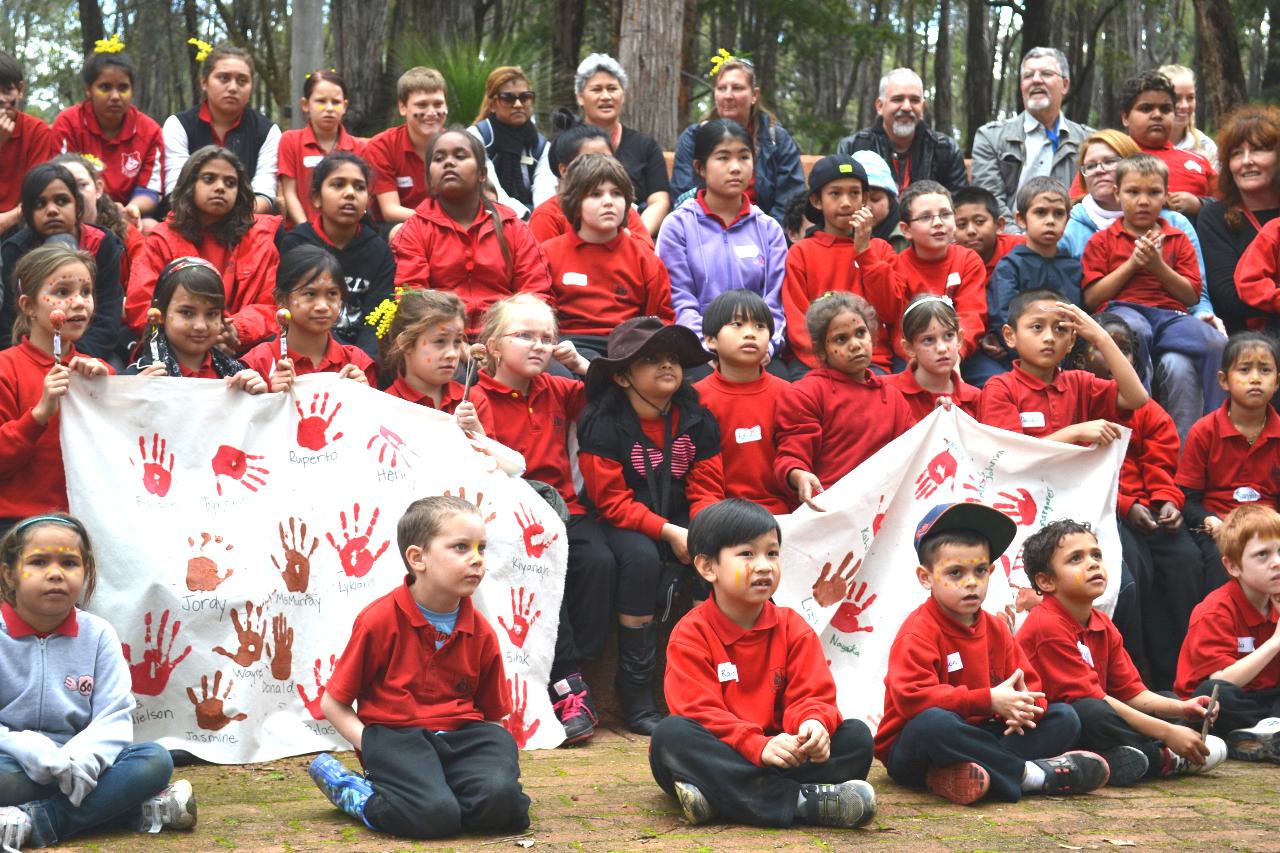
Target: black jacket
934	156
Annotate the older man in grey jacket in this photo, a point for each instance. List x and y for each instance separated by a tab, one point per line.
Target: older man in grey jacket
1038	141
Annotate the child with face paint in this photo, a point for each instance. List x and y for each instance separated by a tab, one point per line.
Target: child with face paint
68	763
24	140
324	103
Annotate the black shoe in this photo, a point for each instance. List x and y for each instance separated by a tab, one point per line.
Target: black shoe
1128	765
637	659
848	804
1075	772
574	707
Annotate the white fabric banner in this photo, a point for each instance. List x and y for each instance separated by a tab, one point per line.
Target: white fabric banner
238	536
869	527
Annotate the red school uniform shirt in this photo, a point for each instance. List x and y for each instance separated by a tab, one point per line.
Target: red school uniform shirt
1077	661
1189	171
1258	271
828	423
30	144
1004	245
1020	402
1219	461
780	676
537	425
1146	477
397	168
1224	628
131	162
824	263
434	252
392	668
548	221
745	412
961	275
450	397
300	152
922	402
264	356
935	662
1112	246
597	286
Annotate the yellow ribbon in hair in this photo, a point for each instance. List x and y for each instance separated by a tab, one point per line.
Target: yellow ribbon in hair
721	57
203	48
111	45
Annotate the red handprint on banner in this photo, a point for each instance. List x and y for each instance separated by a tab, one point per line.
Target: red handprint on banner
313	705
150	675
940	469
249	635
203	574
354	550
521	621
830	586
210	710
845	619
1012	566
297	565
478	501
535	535
156	478
391	448
515	721
312	427
1019	506
882	509
490	461
235	463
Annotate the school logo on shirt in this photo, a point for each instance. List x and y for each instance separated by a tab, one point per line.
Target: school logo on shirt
82	684
1244	645
464	686
954	664
779	679
1193	166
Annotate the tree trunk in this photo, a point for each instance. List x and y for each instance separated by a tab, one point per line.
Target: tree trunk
306	49
977	72
1037	21
1271	71
359	30
566	43
1221	74
942	71
91	27
688	63
652	32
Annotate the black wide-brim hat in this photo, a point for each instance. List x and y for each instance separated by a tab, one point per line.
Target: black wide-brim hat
830	168
638	337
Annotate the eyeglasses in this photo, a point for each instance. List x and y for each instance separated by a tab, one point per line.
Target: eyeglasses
510	98
941	216
1106	165
1043	73
531	339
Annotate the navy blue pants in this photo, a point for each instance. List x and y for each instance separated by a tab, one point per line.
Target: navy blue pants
1239	708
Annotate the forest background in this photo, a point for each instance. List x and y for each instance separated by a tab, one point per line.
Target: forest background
818	61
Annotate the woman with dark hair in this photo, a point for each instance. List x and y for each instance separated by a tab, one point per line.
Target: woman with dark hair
778	173
1249	185
324	103
517	153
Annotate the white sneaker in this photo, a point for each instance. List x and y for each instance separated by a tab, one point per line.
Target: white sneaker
172	808
15	829
1260	742
1176	765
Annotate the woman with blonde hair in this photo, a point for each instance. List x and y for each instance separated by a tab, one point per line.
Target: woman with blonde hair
516	152
1185	136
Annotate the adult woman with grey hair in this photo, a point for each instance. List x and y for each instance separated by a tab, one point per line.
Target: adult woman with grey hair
601	86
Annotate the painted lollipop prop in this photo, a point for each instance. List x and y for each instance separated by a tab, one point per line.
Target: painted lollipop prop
153	331
283	316
57	317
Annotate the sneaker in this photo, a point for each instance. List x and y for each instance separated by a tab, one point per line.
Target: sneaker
1128	766
962	783
574	708
693	804
1075	772
848	804
15	829
172	808
1176	765
346	790
1256	743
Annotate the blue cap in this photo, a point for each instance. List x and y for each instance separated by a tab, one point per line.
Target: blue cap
997	527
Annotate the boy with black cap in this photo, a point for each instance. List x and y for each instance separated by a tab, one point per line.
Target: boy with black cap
963	711
650	460
841	256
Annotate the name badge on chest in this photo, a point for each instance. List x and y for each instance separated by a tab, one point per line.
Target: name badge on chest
1244	645
954	664
1085	653
746	435
726	672
1031	420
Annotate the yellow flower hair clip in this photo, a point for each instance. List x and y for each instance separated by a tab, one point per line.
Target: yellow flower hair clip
97	164
111	45
203	48
384	314
721	57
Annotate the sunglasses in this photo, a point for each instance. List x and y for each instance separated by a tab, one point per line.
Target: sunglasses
510	98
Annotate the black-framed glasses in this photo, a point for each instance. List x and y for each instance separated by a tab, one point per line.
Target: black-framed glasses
1108	164
510	98
941	216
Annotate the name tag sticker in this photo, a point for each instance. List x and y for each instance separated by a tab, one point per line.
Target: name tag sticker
1032	420
746	436
404	182
576	279
953	283
726	672
1085	652
746	251
1244	645
312	160
954	664
1246	495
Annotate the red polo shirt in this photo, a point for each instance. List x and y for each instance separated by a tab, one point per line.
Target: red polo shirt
745	412
1019	402
1078	661
1147	474
391	666
1224	628
922	402
1219	461
959	274
130	162
300	153
1189	171
1004	244
598	286
1112	246
450	397
18	627
397	167
1258	270
264	356
204	371
781	677
548	221
30	144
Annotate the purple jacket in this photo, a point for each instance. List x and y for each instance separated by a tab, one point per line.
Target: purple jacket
704	260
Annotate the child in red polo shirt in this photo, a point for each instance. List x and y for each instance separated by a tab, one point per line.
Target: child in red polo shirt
25	141
601	277
1258	275
754	734
324	103
931	338
1145	270
1233	646
1148	102
310	286
840	256
963	711
737	327
832	420
426	670
981	227
934	264
1037	397
650	461
398	155
422	346
534	413
1082	662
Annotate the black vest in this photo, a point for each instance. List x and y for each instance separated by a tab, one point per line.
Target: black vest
244	140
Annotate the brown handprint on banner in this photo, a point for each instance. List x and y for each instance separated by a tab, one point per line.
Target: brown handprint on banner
521	621
150	675
1019	506
535	535
210	710
239	466
280	648
354	551
846	617
249	635
392	450
203	574
478	501
156	478
313	705
515	722
831	587
935	475
297	565
313	427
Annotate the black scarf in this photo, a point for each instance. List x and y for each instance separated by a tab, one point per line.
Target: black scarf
223	365
510	146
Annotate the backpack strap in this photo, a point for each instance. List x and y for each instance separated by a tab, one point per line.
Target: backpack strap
486	133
